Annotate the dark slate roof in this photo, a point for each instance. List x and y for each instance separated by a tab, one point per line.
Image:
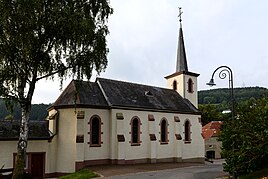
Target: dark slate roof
125	94
86	93
38	130
111	93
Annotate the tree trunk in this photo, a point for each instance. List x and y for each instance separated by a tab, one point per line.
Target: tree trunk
19	172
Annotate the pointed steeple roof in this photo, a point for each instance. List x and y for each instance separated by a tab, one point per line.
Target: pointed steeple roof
181	53
181	67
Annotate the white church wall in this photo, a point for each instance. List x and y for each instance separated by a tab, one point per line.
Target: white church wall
65	150
165	150
101	152
6	153
191	96
194	149
135	151
180	84
68	152
154	150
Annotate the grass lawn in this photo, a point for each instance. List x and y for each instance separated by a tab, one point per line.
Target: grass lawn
82	174
256	175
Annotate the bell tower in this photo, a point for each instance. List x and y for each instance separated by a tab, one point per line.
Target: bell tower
183	81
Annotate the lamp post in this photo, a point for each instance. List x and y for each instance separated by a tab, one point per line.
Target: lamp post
222	75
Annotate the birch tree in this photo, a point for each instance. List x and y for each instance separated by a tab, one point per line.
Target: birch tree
40	39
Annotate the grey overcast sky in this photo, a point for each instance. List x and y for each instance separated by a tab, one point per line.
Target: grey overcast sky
144	36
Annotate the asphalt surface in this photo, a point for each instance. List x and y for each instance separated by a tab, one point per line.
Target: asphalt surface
163	171
196	172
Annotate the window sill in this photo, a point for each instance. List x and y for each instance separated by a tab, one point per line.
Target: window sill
94	145
135	144
187	142
163	143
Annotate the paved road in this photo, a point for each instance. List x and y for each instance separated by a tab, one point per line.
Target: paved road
209	171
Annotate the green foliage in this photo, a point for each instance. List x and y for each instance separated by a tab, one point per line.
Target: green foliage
82	174
38	112
213	102
39	39
210	113
245	139
260	174
217	96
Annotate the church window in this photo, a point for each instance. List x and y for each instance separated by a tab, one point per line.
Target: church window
164	131
190	86
135	131
187	131
95	131
175	85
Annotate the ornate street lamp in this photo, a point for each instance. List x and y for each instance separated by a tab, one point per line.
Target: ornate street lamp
222	75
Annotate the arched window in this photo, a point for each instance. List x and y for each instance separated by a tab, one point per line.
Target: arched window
175	85
135	131
95	131
190	86
187	132
164	131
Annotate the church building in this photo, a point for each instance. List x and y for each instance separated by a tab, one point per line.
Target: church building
115	122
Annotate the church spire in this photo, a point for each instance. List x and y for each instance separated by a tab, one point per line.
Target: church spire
181	53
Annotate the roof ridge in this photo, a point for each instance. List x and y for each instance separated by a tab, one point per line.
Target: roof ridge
134	83
103	92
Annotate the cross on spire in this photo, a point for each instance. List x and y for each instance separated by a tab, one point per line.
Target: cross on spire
181	54
180	13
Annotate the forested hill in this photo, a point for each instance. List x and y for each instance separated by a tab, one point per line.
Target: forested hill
222	95
39	111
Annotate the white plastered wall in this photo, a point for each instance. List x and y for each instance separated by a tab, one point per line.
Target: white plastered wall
84	151
191	96
174	149
182	87
68	151
63	149
9	148
180	84
196	148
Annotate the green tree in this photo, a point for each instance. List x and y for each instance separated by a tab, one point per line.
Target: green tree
210	113
40	39
245	140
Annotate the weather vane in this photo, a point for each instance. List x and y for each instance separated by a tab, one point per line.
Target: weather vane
180	13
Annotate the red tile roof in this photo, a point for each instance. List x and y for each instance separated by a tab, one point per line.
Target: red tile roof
211	129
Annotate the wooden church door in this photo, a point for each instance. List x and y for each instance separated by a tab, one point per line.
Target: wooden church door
37	165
